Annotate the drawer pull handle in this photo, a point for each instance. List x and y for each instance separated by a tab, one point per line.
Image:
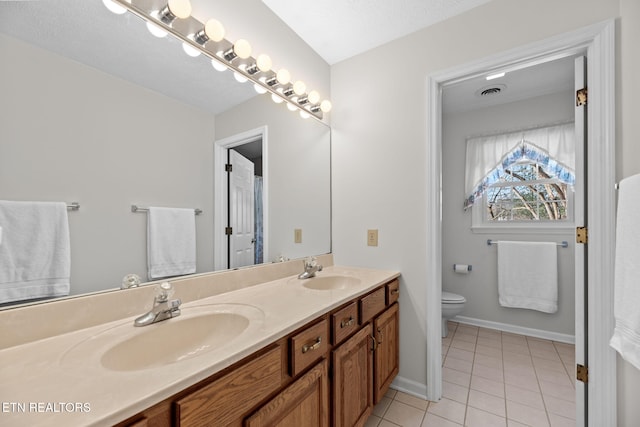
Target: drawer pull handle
395	292
347	322
314	346
374	344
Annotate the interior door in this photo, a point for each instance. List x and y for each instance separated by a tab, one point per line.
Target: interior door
580	249
241	211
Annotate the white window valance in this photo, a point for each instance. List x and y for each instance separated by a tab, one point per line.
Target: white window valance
554	147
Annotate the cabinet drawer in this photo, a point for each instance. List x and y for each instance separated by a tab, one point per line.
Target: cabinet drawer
308	346
372	304
344	322
393	292
224	401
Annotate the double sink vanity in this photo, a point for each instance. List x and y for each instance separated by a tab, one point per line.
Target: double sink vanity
251	347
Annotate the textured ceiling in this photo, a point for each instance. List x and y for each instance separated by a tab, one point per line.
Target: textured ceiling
340	29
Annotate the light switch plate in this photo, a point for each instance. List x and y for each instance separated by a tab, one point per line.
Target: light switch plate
297	235
372	237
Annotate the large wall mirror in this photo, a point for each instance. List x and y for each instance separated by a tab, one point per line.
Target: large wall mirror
96	110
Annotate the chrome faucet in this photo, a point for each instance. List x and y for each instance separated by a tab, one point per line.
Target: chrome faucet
311	267
163	307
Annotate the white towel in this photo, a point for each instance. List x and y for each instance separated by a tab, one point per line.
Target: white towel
528	275
171	242
35	254
626	305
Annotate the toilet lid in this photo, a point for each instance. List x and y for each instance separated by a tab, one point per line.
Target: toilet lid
449	297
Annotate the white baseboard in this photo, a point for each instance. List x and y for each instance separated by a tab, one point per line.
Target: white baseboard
537	333
411	387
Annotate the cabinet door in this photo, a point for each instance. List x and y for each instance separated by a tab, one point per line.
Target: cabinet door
303	403
353	380
386	329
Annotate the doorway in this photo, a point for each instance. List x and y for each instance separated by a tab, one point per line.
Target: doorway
598	41
241	200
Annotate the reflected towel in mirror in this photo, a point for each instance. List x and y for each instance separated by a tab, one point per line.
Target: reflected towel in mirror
171	242
35	254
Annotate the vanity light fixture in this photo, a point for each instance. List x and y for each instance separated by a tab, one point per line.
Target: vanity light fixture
208	39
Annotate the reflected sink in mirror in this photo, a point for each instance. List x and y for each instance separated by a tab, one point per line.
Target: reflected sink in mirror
325	283
199	330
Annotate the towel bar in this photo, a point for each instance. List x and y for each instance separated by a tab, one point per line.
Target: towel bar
136	208
564	243
74	206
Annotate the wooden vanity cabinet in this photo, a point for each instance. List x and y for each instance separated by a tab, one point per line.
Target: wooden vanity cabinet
332	372
365	365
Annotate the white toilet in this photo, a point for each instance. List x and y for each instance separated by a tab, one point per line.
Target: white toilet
452	304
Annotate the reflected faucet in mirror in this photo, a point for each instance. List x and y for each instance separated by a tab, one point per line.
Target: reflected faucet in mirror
163	307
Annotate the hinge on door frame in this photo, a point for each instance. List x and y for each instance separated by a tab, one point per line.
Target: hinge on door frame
582	96
582	235
228	231
582	373
228	167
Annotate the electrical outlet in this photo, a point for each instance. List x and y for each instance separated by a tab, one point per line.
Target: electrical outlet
297	235
372	237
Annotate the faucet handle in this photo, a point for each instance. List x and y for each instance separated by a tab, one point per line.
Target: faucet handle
164	291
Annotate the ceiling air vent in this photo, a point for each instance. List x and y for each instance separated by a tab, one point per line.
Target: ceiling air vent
490	90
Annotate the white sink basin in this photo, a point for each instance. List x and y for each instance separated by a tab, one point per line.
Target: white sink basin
198	330
333	282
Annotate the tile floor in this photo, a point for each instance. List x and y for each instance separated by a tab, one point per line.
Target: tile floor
494	379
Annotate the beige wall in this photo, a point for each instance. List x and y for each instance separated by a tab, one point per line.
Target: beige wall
379	124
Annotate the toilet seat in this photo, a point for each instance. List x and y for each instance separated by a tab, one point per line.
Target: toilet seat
451	298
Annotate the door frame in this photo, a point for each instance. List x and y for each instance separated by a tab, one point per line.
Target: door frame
599	42
220	197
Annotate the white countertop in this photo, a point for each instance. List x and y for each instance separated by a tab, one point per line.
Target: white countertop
60	380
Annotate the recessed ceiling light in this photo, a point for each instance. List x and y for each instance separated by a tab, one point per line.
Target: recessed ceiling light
495	76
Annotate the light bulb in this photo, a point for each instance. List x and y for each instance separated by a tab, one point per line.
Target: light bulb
291	107
304	114
283	76
263	62
314	97
190	50
275	98
218	66
325	106
180	8
115	7
239	77
213	30
259	89
299	87
242	48
155	30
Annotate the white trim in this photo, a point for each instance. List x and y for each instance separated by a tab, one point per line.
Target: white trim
599	40
220	193
408	386
515	329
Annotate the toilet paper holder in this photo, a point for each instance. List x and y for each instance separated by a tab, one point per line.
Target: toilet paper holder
461	268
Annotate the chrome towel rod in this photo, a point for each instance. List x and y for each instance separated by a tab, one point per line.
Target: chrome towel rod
136	208
564	243
73	206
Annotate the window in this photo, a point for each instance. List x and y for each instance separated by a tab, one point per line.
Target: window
522	179
526	192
